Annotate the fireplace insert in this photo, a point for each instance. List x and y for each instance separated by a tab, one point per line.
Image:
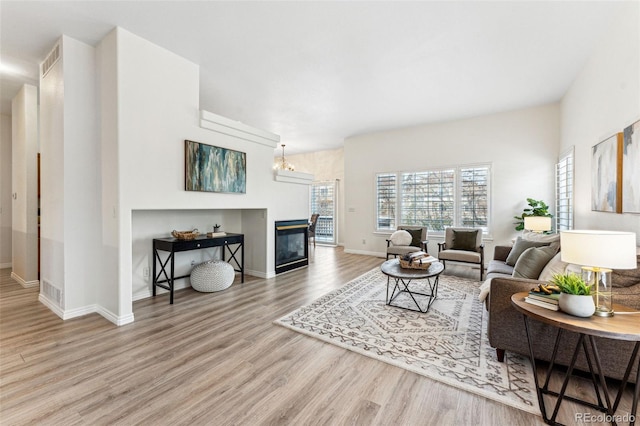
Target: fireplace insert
292	248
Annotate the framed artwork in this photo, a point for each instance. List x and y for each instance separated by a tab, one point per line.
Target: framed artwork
631	169
606	168
213	169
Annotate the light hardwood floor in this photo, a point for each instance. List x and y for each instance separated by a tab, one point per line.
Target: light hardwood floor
215	358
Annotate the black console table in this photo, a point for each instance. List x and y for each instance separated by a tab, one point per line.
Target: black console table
230	243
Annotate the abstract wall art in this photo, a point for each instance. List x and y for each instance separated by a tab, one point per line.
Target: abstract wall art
213	169
606	167
631	169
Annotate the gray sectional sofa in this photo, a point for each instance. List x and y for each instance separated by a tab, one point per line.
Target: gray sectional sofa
506	327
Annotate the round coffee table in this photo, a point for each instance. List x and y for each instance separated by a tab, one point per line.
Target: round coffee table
402	278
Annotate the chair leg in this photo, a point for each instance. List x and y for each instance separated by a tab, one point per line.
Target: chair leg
500	355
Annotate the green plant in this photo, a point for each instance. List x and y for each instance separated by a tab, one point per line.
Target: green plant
536	208
571	284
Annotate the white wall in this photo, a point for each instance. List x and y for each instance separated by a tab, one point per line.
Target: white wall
603	100
5	191
24	180
71	197
157	109
522	147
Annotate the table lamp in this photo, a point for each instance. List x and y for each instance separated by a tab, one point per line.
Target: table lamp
598	252
537	223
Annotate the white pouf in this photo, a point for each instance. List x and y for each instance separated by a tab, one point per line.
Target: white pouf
214	275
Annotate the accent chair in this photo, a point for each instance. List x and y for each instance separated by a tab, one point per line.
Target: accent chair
419	241
462	245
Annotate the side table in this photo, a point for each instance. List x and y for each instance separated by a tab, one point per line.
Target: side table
391	268
618	327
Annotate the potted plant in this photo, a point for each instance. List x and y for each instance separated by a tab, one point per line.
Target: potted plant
575	295
536	208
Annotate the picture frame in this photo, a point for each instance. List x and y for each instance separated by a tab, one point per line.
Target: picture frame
606	175
211	168
631	169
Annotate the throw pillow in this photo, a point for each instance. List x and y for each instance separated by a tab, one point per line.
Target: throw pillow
416	237
519	247
532	261
400	238
541	238
555	266
464	240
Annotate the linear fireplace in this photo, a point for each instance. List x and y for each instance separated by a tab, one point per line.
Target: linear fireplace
292	248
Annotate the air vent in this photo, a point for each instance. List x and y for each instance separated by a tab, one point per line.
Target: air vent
54	294
51	60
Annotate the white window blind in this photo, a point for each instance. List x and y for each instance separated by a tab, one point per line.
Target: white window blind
386	189
474	197
564	192
428	199
434	198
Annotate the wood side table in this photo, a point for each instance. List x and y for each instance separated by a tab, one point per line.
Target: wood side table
618	327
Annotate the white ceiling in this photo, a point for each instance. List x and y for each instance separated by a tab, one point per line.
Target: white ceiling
318	72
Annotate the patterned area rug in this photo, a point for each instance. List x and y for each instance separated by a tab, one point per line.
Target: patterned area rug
448	344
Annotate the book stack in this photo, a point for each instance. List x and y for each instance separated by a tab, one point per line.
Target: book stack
544	300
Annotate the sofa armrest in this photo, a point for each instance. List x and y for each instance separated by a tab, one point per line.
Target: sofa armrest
501	252
504	320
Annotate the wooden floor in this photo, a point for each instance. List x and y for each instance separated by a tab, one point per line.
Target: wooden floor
216	359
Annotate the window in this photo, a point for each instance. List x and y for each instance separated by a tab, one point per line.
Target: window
434	198
564	192
386	203
323	201
428	199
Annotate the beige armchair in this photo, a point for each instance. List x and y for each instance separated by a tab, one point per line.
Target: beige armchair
419	241
462	245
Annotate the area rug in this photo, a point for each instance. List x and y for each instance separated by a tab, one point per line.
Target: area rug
448	344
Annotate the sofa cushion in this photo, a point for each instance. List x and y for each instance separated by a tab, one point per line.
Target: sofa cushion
541	238
519	247
464	240
555	266
401	238
626	277
499	267
532	261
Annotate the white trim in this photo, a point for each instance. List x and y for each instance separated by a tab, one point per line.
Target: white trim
220	124
293	177
5	265
85	310
366	253
23	283
265	275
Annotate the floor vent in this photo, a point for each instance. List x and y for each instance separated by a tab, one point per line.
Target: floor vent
51	60
53	293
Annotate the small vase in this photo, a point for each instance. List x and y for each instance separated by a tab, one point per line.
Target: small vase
577	305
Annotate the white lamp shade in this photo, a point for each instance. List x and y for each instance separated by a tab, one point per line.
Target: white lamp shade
537	223
602	249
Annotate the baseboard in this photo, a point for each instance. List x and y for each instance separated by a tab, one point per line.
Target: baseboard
6	265
85	310
23	283
260	274
366	253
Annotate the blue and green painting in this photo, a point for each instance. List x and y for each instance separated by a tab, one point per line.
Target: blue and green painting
214	169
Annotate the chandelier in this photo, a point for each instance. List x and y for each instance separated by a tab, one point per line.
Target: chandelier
283	164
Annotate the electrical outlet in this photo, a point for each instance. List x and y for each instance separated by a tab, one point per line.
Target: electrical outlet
364	241
193	262
145	272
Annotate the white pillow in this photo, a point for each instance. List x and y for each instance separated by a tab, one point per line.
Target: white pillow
401	238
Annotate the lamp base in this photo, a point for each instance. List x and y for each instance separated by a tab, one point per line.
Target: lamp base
600	280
